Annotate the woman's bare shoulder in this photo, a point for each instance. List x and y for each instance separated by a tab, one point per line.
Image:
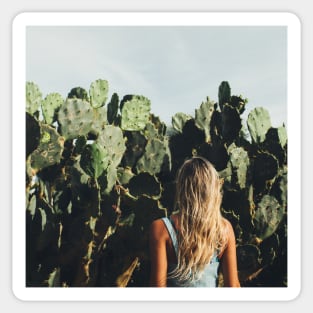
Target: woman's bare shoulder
157	229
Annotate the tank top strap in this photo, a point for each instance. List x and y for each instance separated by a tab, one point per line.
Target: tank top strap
172	232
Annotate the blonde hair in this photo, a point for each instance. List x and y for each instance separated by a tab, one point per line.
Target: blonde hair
202	230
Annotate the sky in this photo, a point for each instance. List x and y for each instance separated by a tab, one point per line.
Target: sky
175	67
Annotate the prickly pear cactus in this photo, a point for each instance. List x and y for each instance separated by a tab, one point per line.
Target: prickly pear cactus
179	120
224	94
94	160
268	215
98	93
203	118
99	174
75	118
259	122
33	98
50	105
49	150
135	113
113	141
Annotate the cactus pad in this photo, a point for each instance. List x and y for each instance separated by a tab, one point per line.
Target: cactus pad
33	98
98	93
112	140
268	215
179	120
135	113
49	150
203	118
258	123
50	105
94	160
75	117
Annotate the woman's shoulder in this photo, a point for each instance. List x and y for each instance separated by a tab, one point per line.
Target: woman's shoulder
157	229
229	235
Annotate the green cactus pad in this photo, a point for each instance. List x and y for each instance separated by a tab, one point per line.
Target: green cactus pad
135	148
239	159
108	179
75	117
248	257
155	158
203	117
112	140
275	143
98	93
268	215
238	103
32	134
50	105
282	135
94	160
33	98
135	113
258	122
144	184
158	124
224	93
231	123
124	175
49	150
113	109
151	132
265	167
146	210
78	93
179	120
99	120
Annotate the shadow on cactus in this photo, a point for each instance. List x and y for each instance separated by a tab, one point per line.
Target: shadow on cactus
99	171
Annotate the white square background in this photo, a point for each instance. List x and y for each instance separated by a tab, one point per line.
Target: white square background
302	8
158	19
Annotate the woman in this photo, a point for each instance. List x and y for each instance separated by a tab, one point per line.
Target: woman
190	247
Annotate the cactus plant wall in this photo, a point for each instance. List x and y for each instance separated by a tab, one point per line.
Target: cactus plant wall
98	173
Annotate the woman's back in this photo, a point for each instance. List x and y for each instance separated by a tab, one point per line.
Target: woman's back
209	276
201	229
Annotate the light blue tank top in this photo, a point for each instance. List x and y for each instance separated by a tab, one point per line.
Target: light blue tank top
209	276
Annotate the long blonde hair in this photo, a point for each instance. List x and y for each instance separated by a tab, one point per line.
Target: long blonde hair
201	225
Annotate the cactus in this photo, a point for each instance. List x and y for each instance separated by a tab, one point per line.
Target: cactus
113	109
231	123
98	93
179	120
239	160
135	148
99	121
265	168
33	98
75	117
203	117
89	211
258	123
108	179
49	150
224	94
32	134
78	93
268	215
135	113
238	103
111	138
155	158
50	106
94	160
145	184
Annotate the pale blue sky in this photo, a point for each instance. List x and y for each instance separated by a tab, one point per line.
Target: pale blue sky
175	67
